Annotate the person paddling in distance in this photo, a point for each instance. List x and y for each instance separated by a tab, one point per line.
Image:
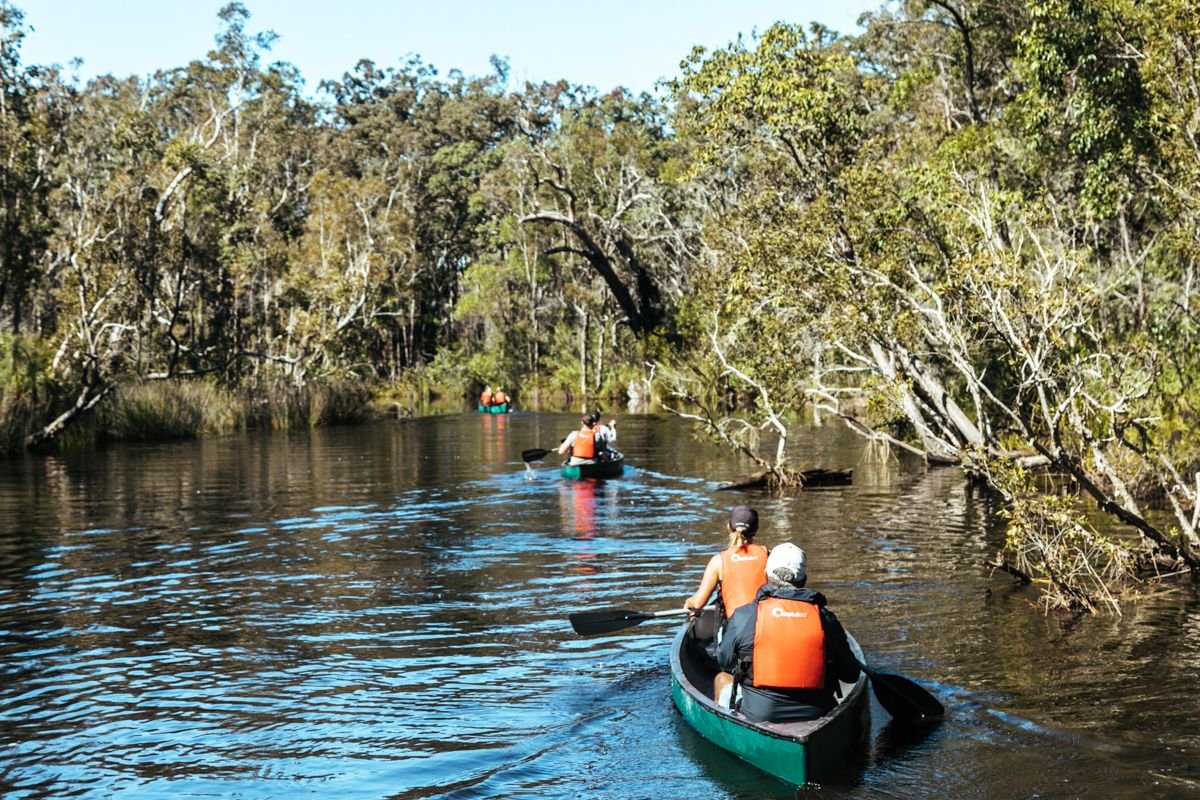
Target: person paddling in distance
784	654
591	443
486	398
736	572
499	398
605	436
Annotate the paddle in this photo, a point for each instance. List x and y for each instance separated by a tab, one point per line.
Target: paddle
587	623
901	697
536	454
906	701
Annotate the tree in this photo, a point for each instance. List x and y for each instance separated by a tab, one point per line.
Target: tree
960	286
32	104
599	181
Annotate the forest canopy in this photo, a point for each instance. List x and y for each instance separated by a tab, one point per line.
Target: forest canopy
970	231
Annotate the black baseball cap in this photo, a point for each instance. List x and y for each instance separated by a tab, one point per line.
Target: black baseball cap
743	518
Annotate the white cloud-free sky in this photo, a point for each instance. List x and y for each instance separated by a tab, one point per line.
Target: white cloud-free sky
603	43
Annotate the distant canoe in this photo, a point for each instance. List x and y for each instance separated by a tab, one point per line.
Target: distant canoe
596	469
500	408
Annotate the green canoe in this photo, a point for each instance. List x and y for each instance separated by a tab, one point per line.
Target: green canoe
596	469
796	752
502	408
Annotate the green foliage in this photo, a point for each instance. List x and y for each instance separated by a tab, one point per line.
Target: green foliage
25	366
1085	98
965	218
1050	540
976	221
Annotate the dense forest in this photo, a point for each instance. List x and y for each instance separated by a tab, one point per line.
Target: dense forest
970	231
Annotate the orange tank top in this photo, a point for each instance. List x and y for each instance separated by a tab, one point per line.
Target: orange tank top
789	645
743	571
585	444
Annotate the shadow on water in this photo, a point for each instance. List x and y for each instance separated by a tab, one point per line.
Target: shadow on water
900	740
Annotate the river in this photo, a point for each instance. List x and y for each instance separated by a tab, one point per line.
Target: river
381	612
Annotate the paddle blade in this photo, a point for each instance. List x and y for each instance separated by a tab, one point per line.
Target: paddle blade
536	454
588	623
904	699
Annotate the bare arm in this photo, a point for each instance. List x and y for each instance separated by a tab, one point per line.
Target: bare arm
712	574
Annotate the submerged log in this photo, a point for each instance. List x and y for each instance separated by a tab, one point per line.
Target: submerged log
809	477
827	477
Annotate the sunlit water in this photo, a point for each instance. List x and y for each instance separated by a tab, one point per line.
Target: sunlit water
381	612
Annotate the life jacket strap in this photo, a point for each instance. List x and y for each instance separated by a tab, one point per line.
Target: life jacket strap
739	676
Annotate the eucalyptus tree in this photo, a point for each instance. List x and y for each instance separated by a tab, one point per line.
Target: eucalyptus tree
32	103
602	183
921	240
417	148
776	132
169	210
235	139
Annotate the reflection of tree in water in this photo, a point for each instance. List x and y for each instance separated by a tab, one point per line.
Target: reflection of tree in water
877	467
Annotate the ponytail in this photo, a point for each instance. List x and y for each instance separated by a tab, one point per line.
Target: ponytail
739	537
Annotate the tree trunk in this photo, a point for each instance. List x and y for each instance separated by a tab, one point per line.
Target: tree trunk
88	397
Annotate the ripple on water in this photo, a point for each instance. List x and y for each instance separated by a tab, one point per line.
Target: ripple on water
342	615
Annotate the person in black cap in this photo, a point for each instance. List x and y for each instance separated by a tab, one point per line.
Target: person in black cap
737	571
785	651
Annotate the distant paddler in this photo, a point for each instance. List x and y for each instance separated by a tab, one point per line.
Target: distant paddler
591	443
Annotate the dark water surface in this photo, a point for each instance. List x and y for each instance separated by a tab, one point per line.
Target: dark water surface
380	612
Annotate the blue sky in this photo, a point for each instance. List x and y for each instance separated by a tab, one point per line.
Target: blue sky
604	43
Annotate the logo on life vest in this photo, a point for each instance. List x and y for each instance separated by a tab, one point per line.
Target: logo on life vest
779	612
734	557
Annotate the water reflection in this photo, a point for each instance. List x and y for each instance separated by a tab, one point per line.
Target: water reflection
578	503
494	439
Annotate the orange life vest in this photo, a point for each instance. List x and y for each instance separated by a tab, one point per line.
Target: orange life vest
486	399
789	645
742	572
500	398
585	444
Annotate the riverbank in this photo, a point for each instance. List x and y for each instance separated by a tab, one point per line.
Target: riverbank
170	410
157	411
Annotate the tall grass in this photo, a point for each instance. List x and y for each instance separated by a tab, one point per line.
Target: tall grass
162	410
19	415
280	407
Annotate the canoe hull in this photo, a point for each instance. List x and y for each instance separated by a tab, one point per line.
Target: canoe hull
600	469
796	752
499	409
